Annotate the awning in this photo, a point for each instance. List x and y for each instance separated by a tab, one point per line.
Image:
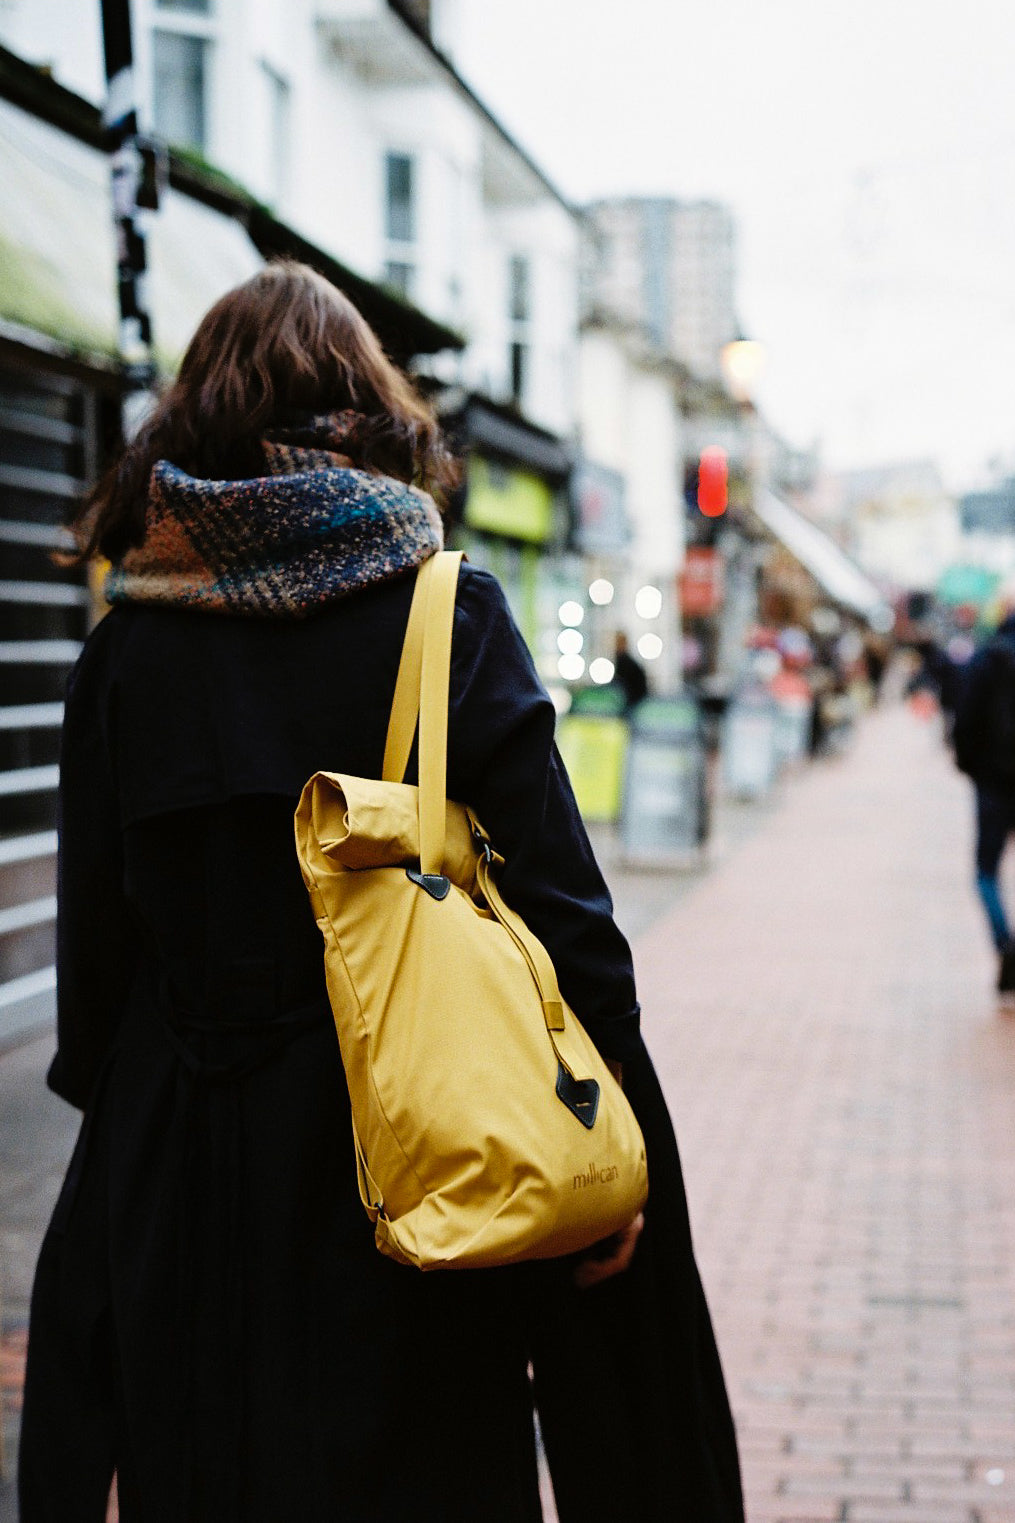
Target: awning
496	430
58	252
839	577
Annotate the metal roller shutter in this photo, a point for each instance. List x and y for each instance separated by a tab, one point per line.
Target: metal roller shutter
48	443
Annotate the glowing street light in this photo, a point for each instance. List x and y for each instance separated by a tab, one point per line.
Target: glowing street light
571	668
742	361
601	592
570	612
601	671
648	602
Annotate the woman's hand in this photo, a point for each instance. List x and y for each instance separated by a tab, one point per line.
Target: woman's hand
610	1257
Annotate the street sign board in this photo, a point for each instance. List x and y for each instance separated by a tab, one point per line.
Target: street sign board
594	751
665	815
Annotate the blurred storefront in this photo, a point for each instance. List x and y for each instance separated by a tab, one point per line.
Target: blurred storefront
806	568
513	516
628	503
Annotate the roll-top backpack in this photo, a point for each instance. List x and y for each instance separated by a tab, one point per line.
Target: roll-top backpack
487	1127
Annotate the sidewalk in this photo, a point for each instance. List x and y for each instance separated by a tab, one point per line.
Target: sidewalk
844	1093
37	1133
819	1005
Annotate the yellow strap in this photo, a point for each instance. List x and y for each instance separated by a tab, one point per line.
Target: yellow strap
433	707
405	704
530	946
369	1193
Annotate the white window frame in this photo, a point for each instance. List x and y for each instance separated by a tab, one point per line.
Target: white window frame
207	29
520	329
404	251
281	160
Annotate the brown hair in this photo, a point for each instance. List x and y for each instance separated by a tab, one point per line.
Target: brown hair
281	348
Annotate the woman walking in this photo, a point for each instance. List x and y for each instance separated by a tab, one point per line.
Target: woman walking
211	1319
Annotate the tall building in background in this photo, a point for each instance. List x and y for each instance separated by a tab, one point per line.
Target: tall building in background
665	266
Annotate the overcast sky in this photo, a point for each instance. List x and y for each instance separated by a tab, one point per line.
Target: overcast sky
868	152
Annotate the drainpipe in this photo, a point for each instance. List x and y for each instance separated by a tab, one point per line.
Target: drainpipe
137	168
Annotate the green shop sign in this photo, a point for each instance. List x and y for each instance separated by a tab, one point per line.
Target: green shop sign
503	500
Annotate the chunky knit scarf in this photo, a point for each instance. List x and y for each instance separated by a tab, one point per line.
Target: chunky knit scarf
282	545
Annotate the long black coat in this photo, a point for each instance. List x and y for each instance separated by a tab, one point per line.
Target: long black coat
984	733
210	1316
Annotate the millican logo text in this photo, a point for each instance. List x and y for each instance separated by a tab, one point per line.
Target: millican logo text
595	1176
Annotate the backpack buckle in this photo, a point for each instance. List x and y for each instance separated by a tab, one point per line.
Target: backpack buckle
482	840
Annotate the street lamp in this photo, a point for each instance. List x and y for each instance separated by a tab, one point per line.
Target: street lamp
742	361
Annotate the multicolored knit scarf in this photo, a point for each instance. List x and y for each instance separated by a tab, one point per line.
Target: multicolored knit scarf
282	545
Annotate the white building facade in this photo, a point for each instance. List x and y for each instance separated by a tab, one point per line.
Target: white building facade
345	118
901	523
631	425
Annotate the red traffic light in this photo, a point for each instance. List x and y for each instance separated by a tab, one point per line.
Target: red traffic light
713	481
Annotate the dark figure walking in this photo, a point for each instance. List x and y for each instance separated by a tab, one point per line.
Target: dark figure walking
210	1317
629	674
984	738
940	675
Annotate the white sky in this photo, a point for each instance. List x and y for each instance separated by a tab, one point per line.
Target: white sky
868	151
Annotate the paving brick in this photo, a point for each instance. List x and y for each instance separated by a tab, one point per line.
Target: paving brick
795	1510
895	1512
977	1493
865	1488
820	1009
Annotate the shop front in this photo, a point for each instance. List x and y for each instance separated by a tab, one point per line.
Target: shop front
514	519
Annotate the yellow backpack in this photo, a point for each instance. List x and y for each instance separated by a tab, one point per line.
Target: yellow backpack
487	1127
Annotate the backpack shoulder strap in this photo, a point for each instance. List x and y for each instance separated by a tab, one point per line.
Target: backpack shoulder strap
421	693
435	679
405	704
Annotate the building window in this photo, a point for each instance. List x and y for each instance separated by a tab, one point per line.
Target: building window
279	95
519	365
400	219
399	275
519	289
519	318
400	255
180	88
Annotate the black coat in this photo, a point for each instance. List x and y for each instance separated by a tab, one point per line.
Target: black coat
210	1315
984	733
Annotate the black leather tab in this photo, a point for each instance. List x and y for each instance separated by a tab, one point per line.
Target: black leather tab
436	885
581	1096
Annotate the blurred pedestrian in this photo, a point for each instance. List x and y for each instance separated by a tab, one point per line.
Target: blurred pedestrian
984	739
210	1317
875	654
628	674
939	675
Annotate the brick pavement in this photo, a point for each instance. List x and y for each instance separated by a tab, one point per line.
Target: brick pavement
844	1092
